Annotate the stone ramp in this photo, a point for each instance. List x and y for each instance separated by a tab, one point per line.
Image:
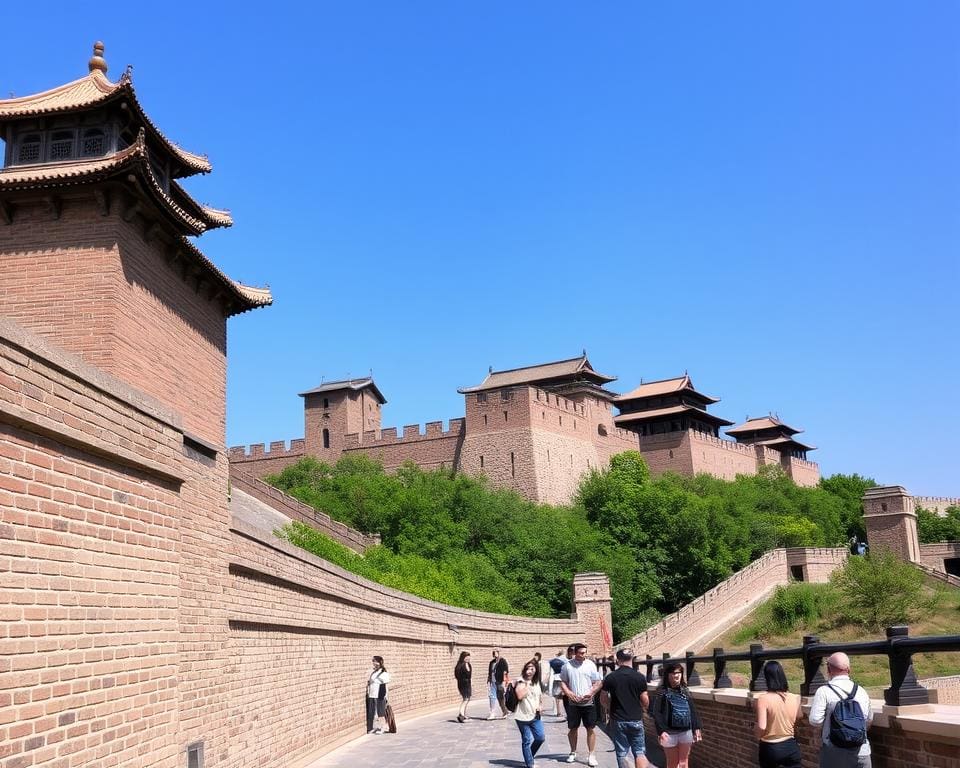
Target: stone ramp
437	740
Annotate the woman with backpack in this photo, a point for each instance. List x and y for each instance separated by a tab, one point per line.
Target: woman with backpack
777	713
528	694
675	716
463	673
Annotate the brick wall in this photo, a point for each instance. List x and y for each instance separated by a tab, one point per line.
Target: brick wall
714	611
432	448
297	510
933	555
938	504
301	635
803	473
721	458
93	285
254	460
90	543
671	452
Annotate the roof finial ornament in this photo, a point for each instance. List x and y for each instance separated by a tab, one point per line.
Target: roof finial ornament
489	369
97	62
584	352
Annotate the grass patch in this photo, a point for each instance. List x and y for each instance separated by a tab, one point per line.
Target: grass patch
816	609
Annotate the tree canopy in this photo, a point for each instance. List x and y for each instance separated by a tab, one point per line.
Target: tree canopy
663	541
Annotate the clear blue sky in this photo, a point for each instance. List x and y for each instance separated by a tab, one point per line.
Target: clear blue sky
764	194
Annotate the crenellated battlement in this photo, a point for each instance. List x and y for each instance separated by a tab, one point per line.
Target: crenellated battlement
432	430
726	445
938	504
278	450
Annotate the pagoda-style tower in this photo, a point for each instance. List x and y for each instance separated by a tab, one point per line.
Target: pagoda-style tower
95	258
772	433
93	244
669	405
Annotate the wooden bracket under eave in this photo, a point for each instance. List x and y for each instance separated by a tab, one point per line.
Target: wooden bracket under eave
131	208
6	212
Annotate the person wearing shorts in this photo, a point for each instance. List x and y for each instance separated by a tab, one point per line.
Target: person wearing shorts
676	741
628	699
580	682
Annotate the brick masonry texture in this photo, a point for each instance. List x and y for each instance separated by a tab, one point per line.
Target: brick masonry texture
135	618
709	615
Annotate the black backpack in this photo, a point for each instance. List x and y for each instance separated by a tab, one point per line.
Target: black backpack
848	726
510	699
679	717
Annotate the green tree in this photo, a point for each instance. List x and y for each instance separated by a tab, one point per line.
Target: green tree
880	590
932	528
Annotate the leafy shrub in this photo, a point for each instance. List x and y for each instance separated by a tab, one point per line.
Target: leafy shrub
880	590
932	528
792	607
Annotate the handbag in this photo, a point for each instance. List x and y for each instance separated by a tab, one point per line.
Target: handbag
389	717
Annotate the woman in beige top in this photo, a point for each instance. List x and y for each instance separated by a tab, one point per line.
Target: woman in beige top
528	712
778	710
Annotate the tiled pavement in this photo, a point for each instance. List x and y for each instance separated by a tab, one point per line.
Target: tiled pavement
437	740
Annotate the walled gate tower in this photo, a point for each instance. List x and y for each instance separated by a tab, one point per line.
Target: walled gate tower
891	521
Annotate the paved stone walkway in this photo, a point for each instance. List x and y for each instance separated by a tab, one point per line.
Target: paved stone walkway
437	740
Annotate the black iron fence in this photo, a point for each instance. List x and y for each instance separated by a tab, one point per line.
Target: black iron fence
898	647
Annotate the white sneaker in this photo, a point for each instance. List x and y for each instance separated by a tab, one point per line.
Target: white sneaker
592	760
572	757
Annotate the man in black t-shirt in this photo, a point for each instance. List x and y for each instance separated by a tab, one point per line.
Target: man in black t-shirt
628	699
496	673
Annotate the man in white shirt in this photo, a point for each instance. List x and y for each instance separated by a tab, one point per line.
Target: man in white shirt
580	680
825	701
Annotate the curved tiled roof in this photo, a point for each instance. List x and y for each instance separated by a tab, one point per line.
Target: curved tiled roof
760	423
673	410
136	156
665	387
534	373
354	384
91	91
248	297
211	217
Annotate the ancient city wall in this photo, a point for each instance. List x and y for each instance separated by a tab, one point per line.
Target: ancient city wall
804	473
670	452
432	448
302	632
255	461
304	513
937	504
90	481
722	458
934	555
711	613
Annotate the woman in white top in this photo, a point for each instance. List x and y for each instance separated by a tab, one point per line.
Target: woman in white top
377	695
528	711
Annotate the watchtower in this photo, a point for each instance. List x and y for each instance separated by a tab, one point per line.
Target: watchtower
891	521
338	408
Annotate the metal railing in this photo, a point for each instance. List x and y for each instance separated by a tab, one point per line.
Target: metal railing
898	647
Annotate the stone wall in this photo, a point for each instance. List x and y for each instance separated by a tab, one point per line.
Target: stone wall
302	632
432	448
257	462
721	458
937	504
91	550
713	612
934	555
304	513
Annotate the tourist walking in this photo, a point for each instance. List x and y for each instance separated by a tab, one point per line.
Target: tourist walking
853	749
777	712
675	717
527	715
580	682
377	696
544	672
628	699
496	675
557	664
463	672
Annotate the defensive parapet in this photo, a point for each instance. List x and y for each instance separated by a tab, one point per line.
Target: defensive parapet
258	462
717	608
434	448
304	513
937	504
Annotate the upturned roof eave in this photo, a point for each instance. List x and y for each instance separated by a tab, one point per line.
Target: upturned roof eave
95	90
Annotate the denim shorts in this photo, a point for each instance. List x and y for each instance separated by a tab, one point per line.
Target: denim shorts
675	738
628	735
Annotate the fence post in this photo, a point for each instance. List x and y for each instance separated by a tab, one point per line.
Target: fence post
757	680
904	688
812	676
693	677
720	678
650	673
